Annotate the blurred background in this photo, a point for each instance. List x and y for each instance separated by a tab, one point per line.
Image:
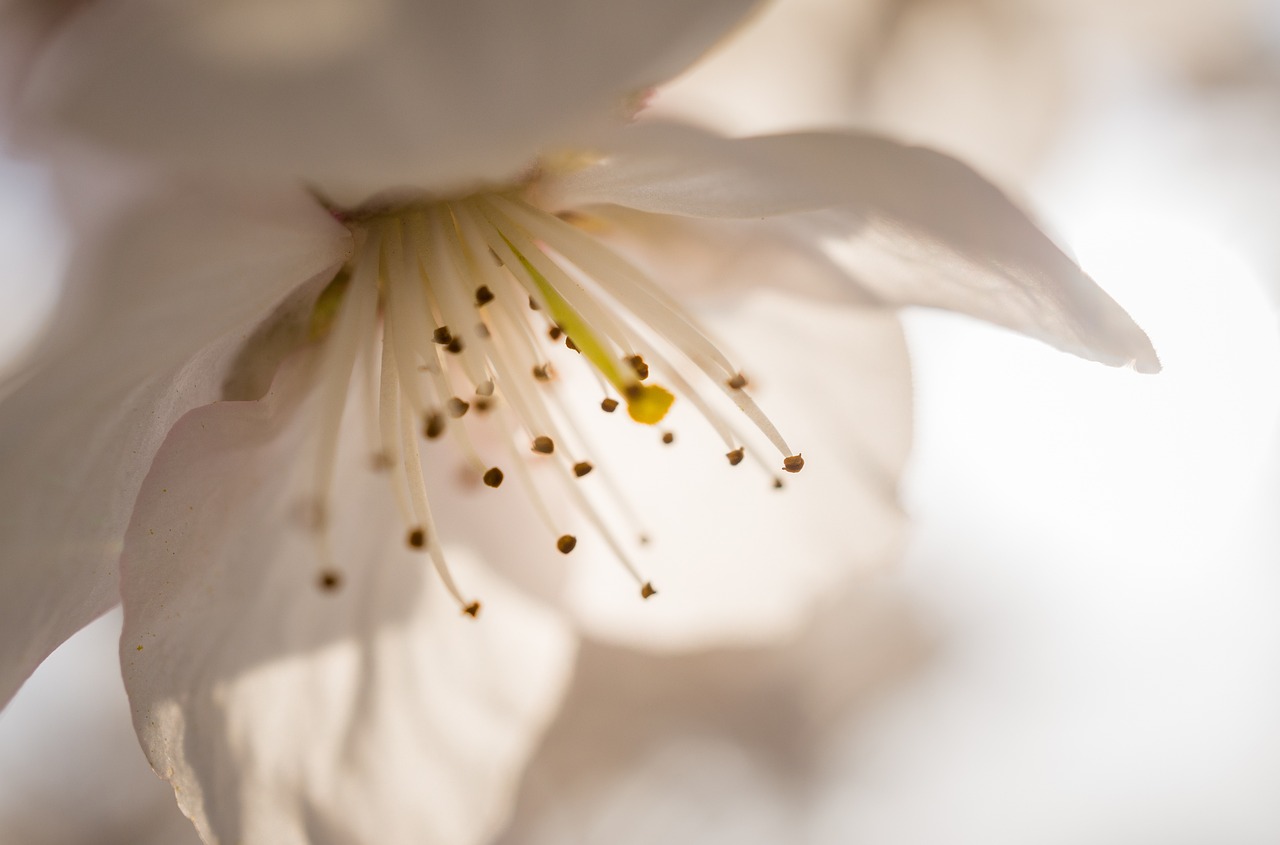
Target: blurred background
1082	643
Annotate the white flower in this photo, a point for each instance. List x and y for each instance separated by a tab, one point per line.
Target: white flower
294	671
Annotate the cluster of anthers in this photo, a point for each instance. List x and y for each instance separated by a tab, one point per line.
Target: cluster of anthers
455	305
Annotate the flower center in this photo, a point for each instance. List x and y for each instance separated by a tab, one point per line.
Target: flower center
456	306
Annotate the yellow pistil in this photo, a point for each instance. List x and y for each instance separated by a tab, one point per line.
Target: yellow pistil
646	403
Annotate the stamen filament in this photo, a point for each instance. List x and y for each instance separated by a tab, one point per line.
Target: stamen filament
450	280
422	510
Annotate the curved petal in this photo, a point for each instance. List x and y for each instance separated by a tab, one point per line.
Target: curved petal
158	303
723	746
287	713
24	27
914	227
360	96
735	561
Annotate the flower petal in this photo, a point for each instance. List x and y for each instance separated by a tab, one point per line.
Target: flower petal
360	96
24	26
912	226
157	304
721	746
373	711
734	560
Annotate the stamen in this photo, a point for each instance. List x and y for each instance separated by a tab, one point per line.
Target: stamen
354	322
438	271
422	511
636	293
388	421
434	426
646	403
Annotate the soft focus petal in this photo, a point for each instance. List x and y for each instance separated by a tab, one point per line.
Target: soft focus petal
715	748
163	298
915	226
285	713
359	95
24	27
734	560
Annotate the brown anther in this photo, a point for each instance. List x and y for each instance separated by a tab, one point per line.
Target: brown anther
647	590
483	295
581	468
382	462
737	382
543	445
793	463
484	388
417	538
533	304
568	342
454	346
609	405
566	543
472	610
542	372
637	363
442	335
483	404
633	391
493	477
457	407
555	332
668	437
735	457
434	426
777	484
329	581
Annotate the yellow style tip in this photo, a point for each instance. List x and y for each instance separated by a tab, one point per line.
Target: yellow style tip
648	403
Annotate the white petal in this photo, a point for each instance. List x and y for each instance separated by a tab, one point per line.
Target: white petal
912	226
156	305
24	26
721	747
360	95
288	714
735	561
